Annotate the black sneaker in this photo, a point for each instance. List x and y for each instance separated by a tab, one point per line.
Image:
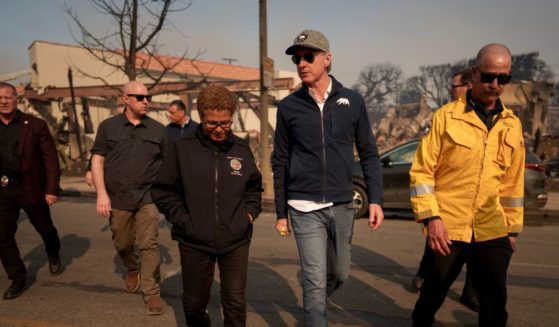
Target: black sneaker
55	266
16	289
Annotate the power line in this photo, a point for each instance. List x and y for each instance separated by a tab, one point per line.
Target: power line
229	60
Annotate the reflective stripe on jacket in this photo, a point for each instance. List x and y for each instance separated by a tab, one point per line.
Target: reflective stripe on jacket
471	178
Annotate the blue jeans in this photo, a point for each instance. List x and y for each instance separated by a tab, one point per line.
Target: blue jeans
324	242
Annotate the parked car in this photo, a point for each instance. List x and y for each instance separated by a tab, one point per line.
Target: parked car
552	174
396	164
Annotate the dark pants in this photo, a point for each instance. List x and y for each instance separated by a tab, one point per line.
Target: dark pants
12	200
427	262
197	278
489	262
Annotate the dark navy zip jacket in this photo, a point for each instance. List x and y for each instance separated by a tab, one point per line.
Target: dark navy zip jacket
207	190
313	151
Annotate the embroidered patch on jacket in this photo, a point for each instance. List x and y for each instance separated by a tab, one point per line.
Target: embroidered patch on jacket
343	102
236	165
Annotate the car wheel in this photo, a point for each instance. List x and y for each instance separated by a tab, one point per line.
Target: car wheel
360	201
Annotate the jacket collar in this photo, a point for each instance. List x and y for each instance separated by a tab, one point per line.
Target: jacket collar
464	111
122	119
206	141
336	86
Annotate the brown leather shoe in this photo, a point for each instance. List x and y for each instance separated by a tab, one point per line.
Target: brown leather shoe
132	281
155	305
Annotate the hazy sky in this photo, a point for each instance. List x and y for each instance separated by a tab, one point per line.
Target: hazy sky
361	32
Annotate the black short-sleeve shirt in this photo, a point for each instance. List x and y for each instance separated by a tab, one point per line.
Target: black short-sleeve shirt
133	155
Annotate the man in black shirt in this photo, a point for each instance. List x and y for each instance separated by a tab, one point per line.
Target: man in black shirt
29	180
181	124
127	153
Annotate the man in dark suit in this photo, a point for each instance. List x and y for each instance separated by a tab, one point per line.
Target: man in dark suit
29	180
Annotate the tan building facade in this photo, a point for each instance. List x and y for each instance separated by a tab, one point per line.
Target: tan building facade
50	63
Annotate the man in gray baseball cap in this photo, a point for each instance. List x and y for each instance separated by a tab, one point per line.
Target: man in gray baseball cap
309	39
317	127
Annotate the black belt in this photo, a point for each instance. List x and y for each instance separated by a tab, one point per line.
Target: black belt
5	180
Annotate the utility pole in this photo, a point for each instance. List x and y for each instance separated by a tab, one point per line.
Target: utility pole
73	115
266	81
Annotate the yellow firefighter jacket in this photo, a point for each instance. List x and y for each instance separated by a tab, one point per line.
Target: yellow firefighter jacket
471	178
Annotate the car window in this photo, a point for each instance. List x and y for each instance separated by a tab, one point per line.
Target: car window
531	157
404	154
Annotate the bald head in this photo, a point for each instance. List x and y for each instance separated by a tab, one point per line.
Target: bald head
494	52
135	87
136	98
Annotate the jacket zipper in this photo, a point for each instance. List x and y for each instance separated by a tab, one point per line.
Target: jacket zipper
485	142
216	205
323	155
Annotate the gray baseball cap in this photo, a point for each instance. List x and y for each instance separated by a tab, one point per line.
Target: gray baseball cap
309	39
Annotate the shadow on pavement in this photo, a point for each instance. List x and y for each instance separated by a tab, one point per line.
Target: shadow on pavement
38	257
268	293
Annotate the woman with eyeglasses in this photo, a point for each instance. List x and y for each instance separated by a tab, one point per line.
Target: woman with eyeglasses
209	188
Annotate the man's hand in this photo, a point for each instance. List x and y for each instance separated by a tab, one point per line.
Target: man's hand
513	240
282	226
376	216
51	199
438	237
88	178
104	206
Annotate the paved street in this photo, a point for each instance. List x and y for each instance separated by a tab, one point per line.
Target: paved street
90	291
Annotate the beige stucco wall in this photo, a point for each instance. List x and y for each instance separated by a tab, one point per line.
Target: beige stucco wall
49	64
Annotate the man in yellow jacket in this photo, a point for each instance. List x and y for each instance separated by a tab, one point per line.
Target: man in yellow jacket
467	188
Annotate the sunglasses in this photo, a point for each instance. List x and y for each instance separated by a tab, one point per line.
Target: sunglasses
140	97
215	124
458	85
308	57
502	79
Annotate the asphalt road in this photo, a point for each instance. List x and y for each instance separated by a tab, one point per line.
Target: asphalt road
90	291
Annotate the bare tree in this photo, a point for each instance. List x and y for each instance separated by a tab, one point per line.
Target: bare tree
433	83
378	84
132	46
529	67
408	92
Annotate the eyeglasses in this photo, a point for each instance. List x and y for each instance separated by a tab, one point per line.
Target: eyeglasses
215	124
502	79
455	86
308	57
140	97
